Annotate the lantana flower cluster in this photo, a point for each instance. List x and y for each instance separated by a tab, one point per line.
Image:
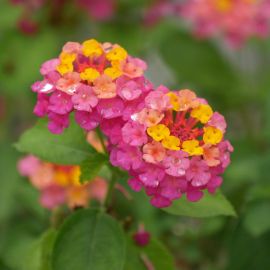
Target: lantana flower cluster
237	20
174	145
96	81
170	142
60	185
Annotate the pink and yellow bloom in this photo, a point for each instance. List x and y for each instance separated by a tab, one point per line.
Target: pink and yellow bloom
173	145
96	81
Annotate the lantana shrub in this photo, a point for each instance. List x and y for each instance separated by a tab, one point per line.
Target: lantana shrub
169	143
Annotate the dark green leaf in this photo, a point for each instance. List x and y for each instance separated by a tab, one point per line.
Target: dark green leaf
91	167
208	206
154	252
89	240
68	148
257	219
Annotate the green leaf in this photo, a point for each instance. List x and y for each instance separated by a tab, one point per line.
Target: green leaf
25	252
10	181
68	148
89	240
91	167
257	219
155	252
209	206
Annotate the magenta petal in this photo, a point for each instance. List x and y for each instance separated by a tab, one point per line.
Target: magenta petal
194	195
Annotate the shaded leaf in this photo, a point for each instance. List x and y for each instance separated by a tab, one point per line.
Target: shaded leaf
68	148
210	205
155	252
89	240
91	167
257	219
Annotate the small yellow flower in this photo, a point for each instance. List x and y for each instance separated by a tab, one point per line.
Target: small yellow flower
223	5
113	72
64	68
174	100
61	178
171	143
158	132
192	148
212	135
91	48
67	58
75	174
203	113
89	74
117	54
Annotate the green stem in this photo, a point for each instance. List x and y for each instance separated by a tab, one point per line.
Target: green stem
101	139
111	187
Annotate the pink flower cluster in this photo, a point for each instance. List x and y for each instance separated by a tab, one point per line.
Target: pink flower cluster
170	142
59	185
237	20
172	146
98	82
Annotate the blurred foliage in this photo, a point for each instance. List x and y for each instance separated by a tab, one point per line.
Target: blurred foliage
237	83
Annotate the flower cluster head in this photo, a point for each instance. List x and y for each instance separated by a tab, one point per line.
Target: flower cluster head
59	185
173	145
237	20
97	81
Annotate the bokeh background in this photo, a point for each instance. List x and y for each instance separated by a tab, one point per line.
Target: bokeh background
235	81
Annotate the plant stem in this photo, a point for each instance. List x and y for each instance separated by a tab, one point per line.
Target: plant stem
111	187
101	139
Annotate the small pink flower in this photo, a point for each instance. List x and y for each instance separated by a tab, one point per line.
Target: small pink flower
134	134
129	91
104	87
52	197
72	47
211	155
57	122
84	99
49	66
160	202
41	107
135	184
69	83
126	158
152	176
110	108
194	195
134	67
157	100
112	129
217	120
214	183
87	120
198	172
176	163
153	152
28	165
60	103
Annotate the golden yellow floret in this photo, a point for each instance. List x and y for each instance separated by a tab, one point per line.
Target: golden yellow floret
192	147
89	74
92	47
158	132
171	143
212	135
202	113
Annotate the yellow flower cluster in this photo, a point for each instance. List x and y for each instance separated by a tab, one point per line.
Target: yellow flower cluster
92	48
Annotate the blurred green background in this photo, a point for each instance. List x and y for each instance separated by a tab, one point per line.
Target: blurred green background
236	83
